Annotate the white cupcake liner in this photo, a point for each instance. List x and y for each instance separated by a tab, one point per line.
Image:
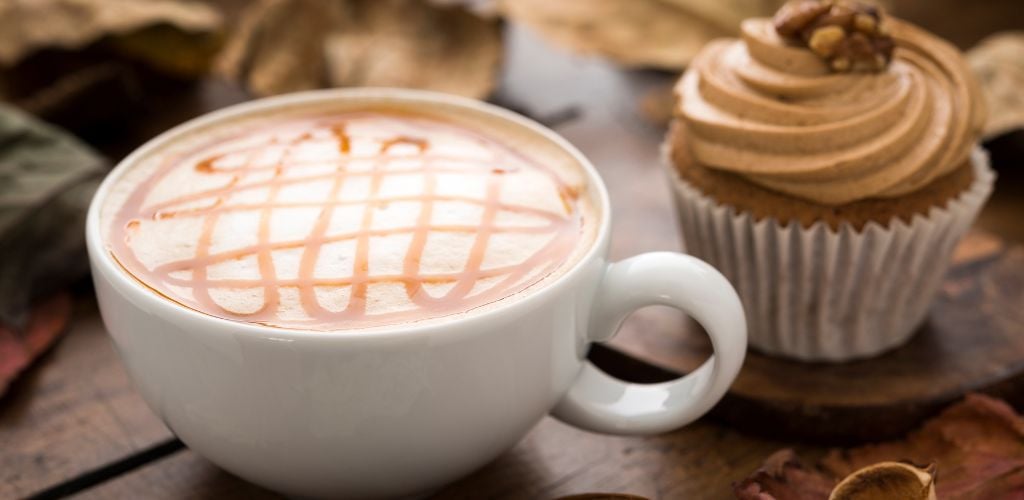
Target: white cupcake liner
818	294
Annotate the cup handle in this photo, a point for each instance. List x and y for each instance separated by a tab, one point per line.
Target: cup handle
602	403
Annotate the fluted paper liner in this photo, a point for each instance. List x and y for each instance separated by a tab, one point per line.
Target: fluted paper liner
819	294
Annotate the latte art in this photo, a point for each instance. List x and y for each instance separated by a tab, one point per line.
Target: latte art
349	220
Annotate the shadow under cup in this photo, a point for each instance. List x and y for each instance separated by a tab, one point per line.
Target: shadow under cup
400	410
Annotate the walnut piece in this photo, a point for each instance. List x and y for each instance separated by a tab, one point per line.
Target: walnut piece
847	35
795	16
826	39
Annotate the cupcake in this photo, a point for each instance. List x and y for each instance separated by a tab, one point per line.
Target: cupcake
827	162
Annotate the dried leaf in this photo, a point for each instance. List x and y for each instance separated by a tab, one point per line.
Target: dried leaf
410	43
19	347
88	64
484	8
998	61
46	181
727	14
652	33
27	26
887	480
170	50
960	22
602	496
278	45
784	477
78	98
393	43
977	446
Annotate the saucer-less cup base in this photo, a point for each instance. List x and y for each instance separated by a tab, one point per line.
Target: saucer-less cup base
403	410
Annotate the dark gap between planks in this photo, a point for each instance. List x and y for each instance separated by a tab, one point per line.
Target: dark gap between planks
92	478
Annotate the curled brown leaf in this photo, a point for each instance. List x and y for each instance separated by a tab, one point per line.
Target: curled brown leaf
278	45
784	477
649	33
977	446
28	26
410	43
88	65
998	62
391	43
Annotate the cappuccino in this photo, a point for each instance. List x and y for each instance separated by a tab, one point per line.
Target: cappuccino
331	219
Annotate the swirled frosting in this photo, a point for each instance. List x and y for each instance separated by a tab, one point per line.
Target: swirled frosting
774	114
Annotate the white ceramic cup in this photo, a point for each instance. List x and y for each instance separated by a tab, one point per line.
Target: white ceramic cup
403	410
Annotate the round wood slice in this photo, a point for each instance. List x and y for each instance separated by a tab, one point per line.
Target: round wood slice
972	341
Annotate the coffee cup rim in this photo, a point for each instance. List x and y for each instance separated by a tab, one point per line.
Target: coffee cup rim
100	255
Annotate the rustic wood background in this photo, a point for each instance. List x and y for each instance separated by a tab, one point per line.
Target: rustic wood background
75	426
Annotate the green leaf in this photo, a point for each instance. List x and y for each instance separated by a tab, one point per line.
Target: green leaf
47	179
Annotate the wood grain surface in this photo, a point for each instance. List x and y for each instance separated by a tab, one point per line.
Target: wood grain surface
75	425
75	411
700	461
970	342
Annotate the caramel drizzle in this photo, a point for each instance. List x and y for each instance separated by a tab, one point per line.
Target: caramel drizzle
459	297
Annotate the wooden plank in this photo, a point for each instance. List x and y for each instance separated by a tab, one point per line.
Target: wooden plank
73	412
181	475
555	459
970	342
700	461
95	418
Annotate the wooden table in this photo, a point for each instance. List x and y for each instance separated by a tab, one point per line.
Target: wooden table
75	426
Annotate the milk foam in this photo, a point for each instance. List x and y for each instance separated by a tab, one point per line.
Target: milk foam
348	219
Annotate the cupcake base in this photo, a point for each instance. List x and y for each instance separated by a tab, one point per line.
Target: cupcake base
831	290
